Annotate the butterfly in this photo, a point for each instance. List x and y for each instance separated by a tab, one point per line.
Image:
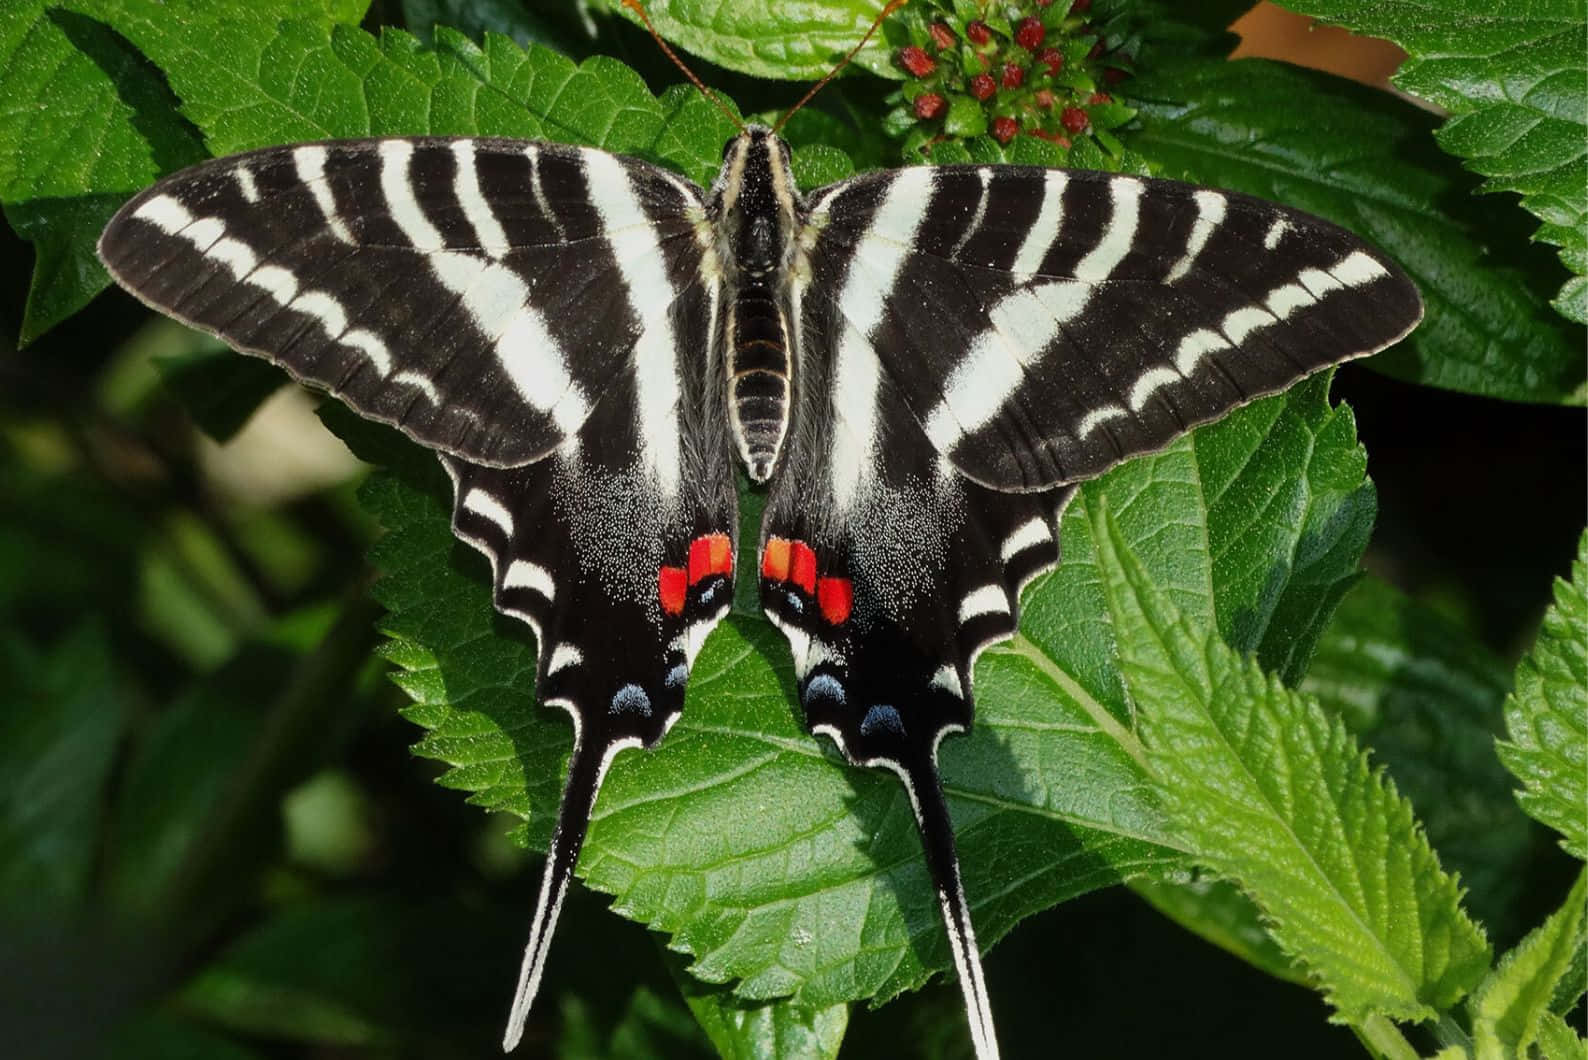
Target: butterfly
916	366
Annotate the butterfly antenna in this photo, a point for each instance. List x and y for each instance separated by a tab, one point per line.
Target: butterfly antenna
942	861
888	9
585	770
639	9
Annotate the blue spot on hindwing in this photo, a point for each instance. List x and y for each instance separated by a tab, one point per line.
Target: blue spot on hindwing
824	687
631	699
676	676
881	717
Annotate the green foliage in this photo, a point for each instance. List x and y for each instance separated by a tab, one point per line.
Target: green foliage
1514	81
57	745
1512	1001
1547	717
1426	696
1142	725
768	39
1271	793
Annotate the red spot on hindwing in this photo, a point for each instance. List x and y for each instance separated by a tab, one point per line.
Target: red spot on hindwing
672	583
802	566
721	549
699	559
775	558
836	598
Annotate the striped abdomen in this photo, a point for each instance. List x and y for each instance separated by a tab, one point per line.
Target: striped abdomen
758	379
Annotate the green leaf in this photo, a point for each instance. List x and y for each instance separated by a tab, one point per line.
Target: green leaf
1547	715
1274	795
1428	697
1364	160
1514	80
648	1026
1557	1041
765	38
86	123
66	711
1508	1007
741	1031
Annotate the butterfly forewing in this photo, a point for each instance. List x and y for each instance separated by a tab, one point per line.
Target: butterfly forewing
1043	324
471	291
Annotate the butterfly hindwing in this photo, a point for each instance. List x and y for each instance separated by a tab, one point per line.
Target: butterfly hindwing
887	583
620	569
475	292
1042	325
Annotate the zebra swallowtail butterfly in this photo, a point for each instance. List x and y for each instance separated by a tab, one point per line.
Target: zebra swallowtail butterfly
916	364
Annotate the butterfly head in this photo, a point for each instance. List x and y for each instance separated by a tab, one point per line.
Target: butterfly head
754	203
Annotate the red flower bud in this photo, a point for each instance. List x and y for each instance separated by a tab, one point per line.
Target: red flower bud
916	61
942	36
1099	97
1029	34
1080	7
929	105
982	86
1052	58
1075	120
1004	129
1042	98
978	32
1013	76
1113	75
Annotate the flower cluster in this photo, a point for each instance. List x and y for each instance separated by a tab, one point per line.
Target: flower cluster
1033	67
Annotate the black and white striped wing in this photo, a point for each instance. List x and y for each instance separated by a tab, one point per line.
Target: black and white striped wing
480	294
1042	324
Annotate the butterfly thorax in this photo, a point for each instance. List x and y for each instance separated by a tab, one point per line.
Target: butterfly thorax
755	212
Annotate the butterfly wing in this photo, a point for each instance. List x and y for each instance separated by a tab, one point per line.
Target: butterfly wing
540	315
621	582
409	277
1042	325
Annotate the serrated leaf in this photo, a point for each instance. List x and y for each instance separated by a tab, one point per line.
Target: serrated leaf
1512	1001
1557	1041
765	38
741	1031
1365	160
1427	697
1547	716
1271	793
1514	80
